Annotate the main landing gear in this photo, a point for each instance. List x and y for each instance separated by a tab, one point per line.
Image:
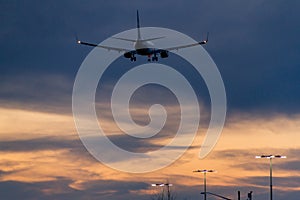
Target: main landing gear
154	58
133	58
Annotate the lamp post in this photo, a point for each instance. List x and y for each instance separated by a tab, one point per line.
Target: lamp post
163	185
204	171
270	157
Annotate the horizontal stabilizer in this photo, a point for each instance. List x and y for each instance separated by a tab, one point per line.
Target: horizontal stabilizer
125	39
151	39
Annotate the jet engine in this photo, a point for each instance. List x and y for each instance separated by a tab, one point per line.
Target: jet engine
128	55
164	54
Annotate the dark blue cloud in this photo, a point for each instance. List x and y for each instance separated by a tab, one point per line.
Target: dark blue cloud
36	144
60	190
19	190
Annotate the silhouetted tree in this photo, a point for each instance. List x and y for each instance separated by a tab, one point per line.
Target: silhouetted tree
165	194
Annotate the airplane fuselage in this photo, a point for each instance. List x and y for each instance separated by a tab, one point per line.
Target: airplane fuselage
144	48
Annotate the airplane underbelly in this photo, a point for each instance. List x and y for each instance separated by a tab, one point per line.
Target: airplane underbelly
145	51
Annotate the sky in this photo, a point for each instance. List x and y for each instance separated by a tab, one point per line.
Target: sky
255	46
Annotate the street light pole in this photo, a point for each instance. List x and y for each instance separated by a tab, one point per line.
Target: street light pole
270	157
205	194
271	184
204	171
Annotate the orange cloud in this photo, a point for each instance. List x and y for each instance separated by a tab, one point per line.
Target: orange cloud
243	137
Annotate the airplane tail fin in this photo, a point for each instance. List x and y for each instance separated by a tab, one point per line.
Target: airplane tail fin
139	37
138	25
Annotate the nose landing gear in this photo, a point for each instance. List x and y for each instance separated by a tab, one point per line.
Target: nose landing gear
154	58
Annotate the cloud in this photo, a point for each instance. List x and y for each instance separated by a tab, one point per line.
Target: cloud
40	190
24	124
19	190
248	162
120	187
32	91
60	189
38	144
288	183
290	165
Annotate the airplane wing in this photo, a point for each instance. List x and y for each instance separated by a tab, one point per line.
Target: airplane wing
104	47
188	45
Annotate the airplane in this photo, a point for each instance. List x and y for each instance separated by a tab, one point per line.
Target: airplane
143	47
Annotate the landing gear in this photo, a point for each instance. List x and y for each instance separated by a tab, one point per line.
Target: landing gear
155	58
133	58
